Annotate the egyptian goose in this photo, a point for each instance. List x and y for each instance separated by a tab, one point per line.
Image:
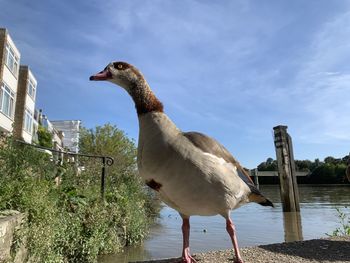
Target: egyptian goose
193	173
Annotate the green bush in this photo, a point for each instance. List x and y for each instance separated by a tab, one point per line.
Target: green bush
70	222
44	137
328	173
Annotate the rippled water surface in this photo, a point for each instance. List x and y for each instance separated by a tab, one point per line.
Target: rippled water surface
256	225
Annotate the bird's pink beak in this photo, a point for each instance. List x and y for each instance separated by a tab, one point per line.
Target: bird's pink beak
103	75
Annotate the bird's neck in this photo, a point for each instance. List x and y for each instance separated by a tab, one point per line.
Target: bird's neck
145	100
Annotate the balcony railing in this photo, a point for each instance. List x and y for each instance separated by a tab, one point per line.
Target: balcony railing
105	160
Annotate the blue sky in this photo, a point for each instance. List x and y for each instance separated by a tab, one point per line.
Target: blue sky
230	69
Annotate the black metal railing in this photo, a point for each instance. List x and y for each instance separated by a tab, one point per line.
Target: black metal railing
106	160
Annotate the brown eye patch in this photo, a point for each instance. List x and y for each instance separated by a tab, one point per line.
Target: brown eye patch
120	65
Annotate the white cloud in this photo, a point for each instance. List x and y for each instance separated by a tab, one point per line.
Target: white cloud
234	68
322	87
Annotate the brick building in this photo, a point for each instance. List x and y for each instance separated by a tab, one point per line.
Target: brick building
24	124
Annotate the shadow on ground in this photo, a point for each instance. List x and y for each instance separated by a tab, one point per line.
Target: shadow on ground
317	249
169	260
334	249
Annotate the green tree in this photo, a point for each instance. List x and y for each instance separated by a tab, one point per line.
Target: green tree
331	159
324	174
346	159
331	171
269	165
269	161
44	137
303	165
315	164
108	140
122	178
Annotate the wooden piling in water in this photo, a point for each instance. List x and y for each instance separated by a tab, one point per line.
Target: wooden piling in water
292	225
286	169
347	171
256	179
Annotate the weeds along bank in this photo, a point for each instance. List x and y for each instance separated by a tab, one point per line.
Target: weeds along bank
69	222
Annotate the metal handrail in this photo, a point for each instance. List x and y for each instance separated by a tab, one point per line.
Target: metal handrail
106	160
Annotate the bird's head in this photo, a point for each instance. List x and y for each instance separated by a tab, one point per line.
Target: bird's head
131	79
122	74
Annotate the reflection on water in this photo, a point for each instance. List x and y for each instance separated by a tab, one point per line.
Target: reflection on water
256	225
293	230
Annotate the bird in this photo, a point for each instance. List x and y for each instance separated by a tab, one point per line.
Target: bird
192	172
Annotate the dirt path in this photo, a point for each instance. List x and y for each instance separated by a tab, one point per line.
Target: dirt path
330	250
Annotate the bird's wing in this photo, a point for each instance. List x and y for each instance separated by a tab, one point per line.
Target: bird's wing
210	145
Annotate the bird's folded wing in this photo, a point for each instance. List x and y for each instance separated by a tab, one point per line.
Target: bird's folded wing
210	145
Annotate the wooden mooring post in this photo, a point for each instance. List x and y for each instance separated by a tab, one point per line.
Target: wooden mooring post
286	169
255	174
293	230
347	171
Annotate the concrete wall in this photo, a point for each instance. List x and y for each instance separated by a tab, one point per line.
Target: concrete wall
10	221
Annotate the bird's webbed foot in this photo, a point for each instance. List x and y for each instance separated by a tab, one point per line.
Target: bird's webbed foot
188	259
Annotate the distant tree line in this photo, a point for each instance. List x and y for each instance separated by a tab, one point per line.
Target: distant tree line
329	171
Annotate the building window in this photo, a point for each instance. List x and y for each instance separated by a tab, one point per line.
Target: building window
31	88
28	121
7	98
11	60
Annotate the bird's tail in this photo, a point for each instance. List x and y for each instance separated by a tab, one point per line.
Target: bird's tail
257	197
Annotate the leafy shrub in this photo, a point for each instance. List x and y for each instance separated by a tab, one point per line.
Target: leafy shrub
44	137
70	222
344	220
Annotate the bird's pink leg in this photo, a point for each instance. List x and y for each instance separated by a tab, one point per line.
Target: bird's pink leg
230	227
186	256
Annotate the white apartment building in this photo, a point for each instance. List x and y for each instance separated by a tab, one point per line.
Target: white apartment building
71	129
25	126
9	73
18	88
17	92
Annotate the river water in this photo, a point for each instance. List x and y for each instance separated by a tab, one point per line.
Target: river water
255	224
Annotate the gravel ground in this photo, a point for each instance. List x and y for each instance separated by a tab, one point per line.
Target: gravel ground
332	250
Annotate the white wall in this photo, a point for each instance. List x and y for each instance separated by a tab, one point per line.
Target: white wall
30	105
27	137
5	123
11	81
9	78
30	102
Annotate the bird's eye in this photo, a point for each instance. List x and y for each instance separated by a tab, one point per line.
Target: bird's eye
118	65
